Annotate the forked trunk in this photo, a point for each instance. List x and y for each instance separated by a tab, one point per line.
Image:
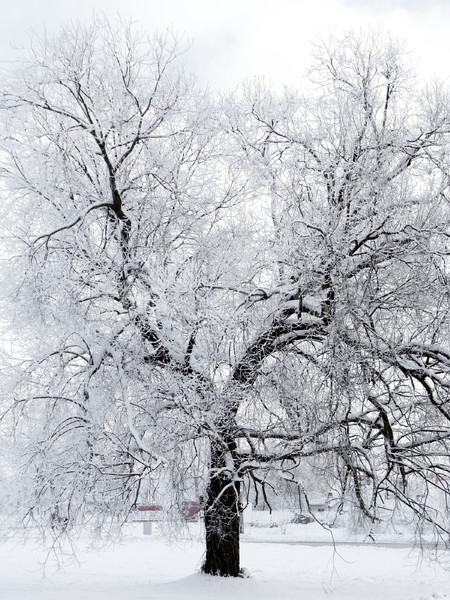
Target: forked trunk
222	522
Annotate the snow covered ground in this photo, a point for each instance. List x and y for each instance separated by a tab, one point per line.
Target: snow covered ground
146	568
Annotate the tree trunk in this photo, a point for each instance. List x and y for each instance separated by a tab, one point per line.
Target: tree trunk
221	520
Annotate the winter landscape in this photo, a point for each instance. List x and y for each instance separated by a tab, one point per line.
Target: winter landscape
225	319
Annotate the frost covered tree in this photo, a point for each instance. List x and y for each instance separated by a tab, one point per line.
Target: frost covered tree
352	357
203	295
117	195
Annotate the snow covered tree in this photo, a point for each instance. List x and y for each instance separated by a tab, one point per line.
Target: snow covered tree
351	359
117	197
205	295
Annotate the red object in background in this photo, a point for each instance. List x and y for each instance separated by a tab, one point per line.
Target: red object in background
152	507
191	510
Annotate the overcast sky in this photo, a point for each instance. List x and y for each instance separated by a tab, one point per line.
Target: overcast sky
234	39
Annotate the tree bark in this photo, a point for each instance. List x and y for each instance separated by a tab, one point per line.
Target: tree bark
222	518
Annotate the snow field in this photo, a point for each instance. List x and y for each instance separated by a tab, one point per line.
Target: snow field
146	568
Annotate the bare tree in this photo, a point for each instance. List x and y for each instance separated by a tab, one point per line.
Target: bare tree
213	295
353	359
111	163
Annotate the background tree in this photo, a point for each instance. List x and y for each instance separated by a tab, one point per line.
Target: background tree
213	295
